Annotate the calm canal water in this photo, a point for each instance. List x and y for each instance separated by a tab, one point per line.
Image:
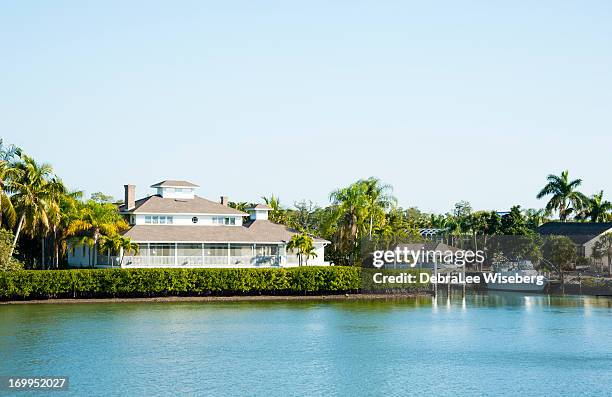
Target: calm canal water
496	344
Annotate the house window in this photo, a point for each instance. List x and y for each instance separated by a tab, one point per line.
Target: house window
219	220
194	219
179	190
147	219
162	219
169	220
155	220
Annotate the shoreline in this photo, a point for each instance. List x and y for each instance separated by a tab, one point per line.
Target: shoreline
218	299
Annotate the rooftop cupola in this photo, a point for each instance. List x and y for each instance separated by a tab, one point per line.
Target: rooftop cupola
175	189
259	212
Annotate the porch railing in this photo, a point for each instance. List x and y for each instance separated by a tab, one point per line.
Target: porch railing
190	261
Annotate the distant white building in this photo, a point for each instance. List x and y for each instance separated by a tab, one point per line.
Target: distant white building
176	228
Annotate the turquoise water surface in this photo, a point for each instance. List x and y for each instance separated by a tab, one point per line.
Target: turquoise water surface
496	344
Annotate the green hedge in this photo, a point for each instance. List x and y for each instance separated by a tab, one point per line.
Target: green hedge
93	283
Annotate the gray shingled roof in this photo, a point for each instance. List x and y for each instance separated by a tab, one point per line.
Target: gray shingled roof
578	232
260	207
158	205
262	231
174	183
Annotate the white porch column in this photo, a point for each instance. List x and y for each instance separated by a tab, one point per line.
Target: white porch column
175	254
120	256
203	253
229	261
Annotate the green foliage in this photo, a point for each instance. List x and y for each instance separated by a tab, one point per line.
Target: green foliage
603	249
564	198
90	283
303	245
101	198
559	253
597	209
7	262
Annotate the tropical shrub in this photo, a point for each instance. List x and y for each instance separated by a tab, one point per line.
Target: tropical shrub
90	283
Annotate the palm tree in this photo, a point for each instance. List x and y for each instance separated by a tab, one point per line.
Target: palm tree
278	214
378	199
598	209
7	171
118	244
302	243
33	193
94	221
8	152
350	206
565	198
64	211
351	203
309	252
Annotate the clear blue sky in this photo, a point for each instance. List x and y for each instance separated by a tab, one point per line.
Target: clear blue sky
446	101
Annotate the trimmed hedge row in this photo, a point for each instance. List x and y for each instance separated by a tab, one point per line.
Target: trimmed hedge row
94	283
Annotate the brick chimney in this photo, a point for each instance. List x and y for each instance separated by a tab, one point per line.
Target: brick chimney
130	197
224	200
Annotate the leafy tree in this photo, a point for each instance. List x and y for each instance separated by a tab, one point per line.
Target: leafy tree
303	218
559	255
462	210
514	223
101	198
564	197
603	248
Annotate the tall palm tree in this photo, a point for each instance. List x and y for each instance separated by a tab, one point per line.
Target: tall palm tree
598	209
565	198
7	171
62	212
378	199
33	193
350	208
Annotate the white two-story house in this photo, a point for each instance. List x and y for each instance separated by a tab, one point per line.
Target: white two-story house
176	228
